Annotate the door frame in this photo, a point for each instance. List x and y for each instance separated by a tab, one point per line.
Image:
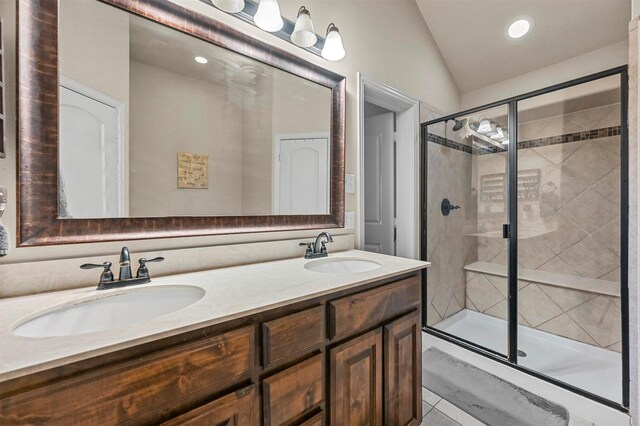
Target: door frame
119	106
511	359
275	174
407	188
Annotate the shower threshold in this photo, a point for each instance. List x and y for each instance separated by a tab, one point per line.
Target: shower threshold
593	369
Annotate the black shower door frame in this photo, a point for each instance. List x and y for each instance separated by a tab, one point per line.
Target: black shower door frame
511	358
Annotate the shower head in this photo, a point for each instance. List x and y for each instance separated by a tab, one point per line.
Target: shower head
459	124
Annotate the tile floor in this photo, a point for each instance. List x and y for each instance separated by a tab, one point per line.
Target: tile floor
440	412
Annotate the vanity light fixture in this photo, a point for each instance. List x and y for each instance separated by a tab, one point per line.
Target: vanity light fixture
499	136
201	59
333	49
229	6
303	33
487	128
268	16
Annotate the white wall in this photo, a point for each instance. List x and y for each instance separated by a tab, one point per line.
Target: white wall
635	8
386	40
579	66
168	116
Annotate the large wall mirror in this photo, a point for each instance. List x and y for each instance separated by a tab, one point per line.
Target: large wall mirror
145	120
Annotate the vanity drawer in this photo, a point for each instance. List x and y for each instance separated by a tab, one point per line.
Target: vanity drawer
292	335
238	408
368	309
317	420
294	391
142	390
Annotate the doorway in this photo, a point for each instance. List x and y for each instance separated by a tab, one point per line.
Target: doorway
301	174
388	172
92	157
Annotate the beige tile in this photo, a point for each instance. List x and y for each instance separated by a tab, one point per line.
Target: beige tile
609	236
535	306
564	234
589	259
590	211
591	163
566	298
482	293
564	326
609	186
600	318
557	154
499	310
500	283
534	252
433	317
453	308
610	143
469	305
616	347
558	266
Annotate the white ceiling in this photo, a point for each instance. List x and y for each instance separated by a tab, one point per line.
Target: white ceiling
471	34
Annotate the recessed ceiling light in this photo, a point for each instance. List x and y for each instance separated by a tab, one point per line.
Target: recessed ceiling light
201	59
520	27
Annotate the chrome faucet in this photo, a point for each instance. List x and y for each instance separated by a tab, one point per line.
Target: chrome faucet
125	278
318	248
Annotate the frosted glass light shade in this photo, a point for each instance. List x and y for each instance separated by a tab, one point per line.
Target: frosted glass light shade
333	49
230	6
303	33
487	128
268	16
499	136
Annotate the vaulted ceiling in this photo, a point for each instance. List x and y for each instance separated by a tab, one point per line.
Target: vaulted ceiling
471	34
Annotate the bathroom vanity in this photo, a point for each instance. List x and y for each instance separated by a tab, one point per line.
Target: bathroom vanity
286	342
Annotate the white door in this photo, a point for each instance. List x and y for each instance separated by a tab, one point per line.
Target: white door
379	184
302	180
90	156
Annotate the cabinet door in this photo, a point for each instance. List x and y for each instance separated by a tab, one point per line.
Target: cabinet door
236	409
403	363
356	381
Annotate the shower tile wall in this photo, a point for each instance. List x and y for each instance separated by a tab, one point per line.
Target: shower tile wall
584	316
572	228
449	174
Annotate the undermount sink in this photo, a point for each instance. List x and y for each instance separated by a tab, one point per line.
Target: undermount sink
342	265
110	311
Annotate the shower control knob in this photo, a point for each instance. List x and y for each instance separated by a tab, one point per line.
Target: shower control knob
446	207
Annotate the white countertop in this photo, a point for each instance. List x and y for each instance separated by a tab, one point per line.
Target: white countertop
230	293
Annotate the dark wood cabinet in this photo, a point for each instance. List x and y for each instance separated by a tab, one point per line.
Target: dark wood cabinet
237	409
352	357
290	394
402	365
356	381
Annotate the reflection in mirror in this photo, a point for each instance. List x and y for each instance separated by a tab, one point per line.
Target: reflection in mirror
154	122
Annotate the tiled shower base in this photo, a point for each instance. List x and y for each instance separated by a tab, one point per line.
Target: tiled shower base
593	369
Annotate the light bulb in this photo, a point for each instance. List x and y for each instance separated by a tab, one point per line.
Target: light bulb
268	16
229	6
303	33
333	49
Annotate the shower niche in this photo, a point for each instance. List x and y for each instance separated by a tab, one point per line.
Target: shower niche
535	262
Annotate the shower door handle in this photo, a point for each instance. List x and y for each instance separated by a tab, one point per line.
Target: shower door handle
506	230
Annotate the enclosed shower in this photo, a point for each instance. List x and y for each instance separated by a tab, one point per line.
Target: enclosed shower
525	223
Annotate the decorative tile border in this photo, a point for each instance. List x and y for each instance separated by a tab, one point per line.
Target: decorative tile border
533	143
449	143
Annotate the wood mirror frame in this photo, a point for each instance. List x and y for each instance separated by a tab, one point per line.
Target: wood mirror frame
37	111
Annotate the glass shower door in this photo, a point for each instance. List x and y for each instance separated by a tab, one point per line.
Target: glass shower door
466	201
569	235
